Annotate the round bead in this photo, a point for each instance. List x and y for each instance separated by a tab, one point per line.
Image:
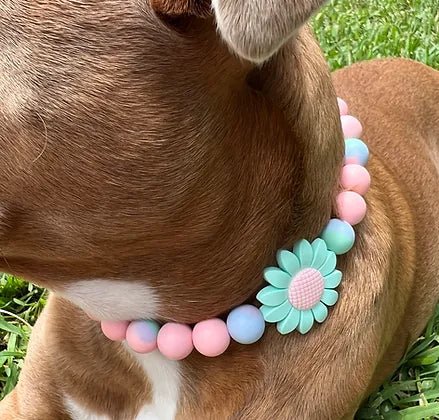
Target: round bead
355	178
339	236
141	335
114	330
175	341
342	106
351	126
211	337
246	324
356	152
351	207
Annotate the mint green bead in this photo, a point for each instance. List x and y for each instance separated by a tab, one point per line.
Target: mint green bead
339	236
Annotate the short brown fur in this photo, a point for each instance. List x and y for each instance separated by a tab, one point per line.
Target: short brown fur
110	169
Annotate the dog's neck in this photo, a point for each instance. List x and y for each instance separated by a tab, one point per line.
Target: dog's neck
299	80
252	171
300	289
282	189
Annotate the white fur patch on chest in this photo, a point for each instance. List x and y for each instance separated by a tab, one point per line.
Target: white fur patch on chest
164	377
112	299
76	412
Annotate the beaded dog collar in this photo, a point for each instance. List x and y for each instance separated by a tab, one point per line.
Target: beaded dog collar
300	289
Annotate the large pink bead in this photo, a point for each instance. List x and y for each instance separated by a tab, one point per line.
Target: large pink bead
351	207
175	341
114	330
211	338
342	106
355	178
352	128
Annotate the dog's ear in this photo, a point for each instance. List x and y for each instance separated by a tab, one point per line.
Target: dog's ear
178	8
256	29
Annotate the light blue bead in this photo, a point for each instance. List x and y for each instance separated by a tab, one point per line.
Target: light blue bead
356	152
146	330
339	236
246	324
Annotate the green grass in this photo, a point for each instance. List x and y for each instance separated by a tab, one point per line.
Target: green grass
20	305
355	30
349	31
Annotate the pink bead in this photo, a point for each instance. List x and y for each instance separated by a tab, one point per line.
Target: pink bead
175	341
211	338
355	178
351	207
352	128
114	330
342	106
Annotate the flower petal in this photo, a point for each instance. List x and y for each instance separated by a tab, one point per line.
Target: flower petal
272	296
333	280
277	278
329	265
329	297
306	321
304	252
288	262
320	252
320	312
276	313
290	323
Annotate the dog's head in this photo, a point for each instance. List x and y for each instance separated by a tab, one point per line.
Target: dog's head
147	167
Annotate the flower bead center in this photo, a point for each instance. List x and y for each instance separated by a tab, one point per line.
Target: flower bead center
306	289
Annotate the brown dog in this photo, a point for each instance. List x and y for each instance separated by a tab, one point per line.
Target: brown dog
151	170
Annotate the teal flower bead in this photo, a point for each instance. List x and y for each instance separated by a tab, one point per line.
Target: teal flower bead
301	288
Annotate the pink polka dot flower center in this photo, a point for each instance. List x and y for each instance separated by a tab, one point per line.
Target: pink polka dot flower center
301	288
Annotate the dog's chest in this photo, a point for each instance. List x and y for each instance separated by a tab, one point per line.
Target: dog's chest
164	377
